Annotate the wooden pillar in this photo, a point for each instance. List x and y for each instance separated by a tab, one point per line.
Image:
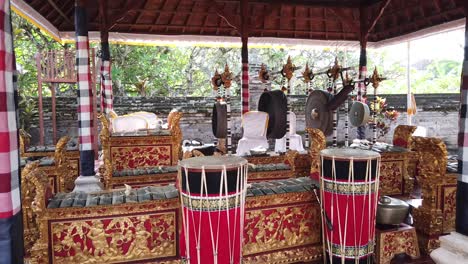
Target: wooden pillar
245	55
11	228
461	222
85	92
105	73
39	94
53	89
362	93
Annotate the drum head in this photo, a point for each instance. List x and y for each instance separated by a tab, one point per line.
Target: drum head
349	153
317	115
359	114
213	162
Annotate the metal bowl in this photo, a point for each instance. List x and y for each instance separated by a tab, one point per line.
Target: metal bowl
391	211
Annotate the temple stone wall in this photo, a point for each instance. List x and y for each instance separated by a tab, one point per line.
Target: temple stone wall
437	112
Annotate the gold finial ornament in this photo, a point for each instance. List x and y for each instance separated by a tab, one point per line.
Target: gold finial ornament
376	79
348	80
226	77
334	72
307	74
216	80
288	69
263	74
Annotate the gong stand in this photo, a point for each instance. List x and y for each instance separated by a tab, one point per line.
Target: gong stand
264	76
307	76
375	79
333	75
287	72
224	94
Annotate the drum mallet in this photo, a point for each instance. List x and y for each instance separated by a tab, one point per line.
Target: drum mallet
327	220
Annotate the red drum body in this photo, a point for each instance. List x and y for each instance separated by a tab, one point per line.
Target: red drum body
349	193
212	191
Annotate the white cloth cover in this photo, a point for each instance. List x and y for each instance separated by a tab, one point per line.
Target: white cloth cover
420	132
255	125
151	119
128	124
295	140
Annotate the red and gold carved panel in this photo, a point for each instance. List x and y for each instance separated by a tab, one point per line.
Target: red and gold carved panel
391	177
108	240
397	241
141	157
282	228
449	207
277	228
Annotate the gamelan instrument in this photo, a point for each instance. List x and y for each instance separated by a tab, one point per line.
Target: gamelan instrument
212	192
359	114
317	114
349	181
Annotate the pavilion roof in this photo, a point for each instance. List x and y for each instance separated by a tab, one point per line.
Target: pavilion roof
337	20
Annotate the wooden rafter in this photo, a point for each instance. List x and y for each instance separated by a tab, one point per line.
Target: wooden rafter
346	18
54	6
377	16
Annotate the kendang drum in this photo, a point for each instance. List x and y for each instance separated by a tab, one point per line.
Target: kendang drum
349	183
212	191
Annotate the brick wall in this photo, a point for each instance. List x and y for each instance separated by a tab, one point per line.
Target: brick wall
437	112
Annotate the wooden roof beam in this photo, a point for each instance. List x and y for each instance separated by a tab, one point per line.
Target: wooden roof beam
54	6
377	16
346	18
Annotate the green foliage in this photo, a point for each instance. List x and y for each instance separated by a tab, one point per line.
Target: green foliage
29	40
27	111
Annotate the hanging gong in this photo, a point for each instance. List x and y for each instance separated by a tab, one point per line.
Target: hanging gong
359	114
219	120
317	114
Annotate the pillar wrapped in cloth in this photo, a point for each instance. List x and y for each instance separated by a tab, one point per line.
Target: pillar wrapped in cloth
212	191
349	183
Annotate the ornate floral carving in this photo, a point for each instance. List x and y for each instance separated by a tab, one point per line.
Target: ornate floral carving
138	157
403	135
123	238
391	177
282	227
391	243
173	120
449	206
318	142
35	191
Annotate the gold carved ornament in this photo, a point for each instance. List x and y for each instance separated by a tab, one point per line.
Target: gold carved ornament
64	167
173	120
431	167
27	198
34	186
403	135
24	140
104	136
291	156
318	142
288	69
